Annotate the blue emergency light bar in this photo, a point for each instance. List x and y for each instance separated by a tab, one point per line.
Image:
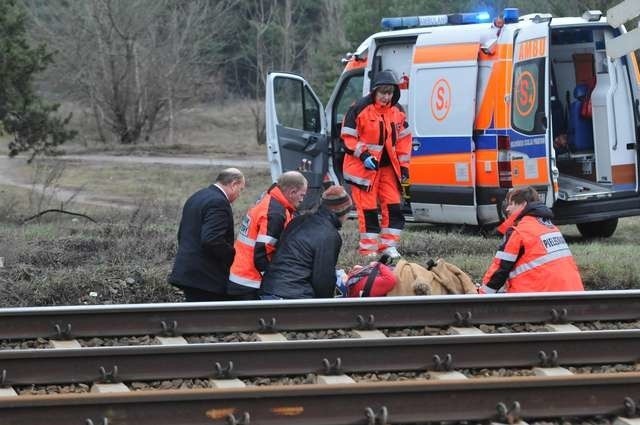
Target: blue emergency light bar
468	18
433	20
511	15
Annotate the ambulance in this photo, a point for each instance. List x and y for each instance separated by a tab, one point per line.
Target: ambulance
492	103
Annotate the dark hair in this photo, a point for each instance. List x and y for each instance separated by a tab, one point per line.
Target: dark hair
522	194
229	175
386	89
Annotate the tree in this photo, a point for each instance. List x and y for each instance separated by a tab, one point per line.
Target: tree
31	122
268	35
325	64
133	63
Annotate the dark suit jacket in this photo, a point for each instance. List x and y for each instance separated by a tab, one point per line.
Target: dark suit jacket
205	242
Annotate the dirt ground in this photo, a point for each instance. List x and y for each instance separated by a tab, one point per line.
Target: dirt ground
13	173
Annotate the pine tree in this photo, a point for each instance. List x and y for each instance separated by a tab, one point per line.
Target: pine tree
23	115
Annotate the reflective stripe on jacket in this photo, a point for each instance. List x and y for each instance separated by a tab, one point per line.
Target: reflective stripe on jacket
368	130
258	237
534	257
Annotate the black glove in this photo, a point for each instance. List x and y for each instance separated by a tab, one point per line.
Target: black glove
404	175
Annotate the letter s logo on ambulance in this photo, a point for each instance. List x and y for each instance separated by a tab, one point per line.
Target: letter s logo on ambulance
526	93
440	99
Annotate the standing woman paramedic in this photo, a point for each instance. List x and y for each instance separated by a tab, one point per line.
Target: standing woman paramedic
378	145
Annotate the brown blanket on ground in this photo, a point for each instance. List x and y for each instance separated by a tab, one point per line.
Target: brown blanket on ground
443	278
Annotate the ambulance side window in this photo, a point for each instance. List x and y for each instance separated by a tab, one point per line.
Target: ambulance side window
527	103
349	93
311	112
296	107
288	102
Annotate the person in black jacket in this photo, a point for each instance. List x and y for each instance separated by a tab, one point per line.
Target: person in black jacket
205	239
304	266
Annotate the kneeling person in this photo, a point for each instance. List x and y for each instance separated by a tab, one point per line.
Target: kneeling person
260	233
533	257
304	266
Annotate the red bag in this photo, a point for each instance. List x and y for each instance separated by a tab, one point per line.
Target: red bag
374	280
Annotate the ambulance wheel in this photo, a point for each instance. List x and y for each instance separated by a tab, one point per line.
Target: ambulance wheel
598	229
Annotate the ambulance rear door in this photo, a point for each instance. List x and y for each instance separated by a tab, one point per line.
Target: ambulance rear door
622	66
296	131
528	147
442	107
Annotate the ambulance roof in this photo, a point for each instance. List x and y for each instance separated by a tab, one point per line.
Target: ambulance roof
414	32
574	21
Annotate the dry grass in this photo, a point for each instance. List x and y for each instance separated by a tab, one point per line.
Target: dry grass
125	257
205	129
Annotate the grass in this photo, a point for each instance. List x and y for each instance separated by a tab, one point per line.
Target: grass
201	130
125	257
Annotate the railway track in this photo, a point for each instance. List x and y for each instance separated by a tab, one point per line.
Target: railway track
438	391
328	357
506	400
276	316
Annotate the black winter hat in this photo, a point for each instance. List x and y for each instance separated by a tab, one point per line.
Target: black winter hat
387	78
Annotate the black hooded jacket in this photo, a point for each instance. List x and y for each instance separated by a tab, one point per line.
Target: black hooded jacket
304	266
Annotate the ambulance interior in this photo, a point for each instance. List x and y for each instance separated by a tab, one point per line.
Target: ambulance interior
591	113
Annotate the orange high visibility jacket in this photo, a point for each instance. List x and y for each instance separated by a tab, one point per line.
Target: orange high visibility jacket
367	130
534	256
258	237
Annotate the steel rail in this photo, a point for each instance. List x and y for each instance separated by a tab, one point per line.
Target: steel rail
248	359
501	399
364	313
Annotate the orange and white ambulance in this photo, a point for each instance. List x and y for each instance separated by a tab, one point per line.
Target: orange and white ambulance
486	99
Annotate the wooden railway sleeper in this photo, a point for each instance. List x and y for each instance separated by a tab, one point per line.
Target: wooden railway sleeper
509	415
267	328
377	418
463	320
443	365
332	368
63	334
547	360
109	377
89	421
3	378
244	420
169	329
224	372
559	316
631	408
367	324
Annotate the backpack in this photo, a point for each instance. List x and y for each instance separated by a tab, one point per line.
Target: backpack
373	280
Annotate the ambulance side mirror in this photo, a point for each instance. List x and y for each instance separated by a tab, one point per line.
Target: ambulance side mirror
489	47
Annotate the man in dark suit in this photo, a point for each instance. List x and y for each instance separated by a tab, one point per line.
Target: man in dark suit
205	239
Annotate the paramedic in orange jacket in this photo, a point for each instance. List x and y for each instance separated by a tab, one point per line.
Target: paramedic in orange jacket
534	257
378	145
260	232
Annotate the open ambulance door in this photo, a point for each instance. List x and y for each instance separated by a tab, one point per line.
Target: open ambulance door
622	64
442	107
528	149
296	131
